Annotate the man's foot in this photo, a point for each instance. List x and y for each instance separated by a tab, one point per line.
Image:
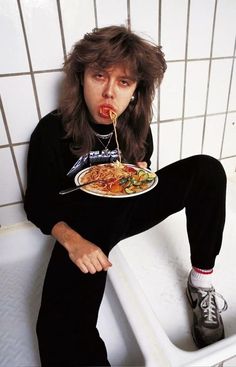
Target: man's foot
208	326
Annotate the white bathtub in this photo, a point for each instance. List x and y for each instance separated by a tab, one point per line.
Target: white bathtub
145	286
149	275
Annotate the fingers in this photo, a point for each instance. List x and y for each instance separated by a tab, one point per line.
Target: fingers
92	265
142	164
93	262
103	260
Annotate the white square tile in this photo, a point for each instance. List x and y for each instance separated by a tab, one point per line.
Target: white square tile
3	135
75	23
9	187
229	145
196	88
144	19
21	152
169	144
229	165
14	57
48	87
200	28
154	158
43	33
232	100
213	135
173	28
111	12
219	85
12	214
224	37
192	137
19	105
171	96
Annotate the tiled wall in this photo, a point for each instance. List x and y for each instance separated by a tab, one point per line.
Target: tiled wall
195	109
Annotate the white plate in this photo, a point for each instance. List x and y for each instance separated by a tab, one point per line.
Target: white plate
89	190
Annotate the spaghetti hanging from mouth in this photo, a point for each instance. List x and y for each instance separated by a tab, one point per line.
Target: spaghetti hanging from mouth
113	116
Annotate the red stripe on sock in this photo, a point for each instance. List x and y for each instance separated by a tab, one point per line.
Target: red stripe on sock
202	271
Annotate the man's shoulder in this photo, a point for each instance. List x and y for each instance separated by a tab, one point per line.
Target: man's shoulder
50	124
51	119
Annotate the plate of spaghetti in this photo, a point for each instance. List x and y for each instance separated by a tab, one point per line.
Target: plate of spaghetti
116	180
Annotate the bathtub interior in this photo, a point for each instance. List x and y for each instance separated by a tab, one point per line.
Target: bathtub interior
158	262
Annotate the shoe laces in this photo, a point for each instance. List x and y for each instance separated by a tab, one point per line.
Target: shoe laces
210	306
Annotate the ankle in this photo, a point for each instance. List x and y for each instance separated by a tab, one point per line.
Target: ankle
201	278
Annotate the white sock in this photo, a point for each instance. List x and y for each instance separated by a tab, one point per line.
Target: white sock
201	278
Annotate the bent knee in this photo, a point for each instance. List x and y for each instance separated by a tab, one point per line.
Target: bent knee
211	167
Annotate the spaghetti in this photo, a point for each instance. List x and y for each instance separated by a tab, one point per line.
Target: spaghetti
117	179
113	117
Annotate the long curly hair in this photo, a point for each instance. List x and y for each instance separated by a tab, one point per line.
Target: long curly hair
105	47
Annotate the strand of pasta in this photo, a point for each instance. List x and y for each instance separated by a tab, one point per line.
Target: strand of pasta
113	117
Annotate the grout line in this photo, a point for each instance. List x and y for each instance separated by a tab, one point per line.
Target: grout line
61	29
95	13
196	116
128	15
185	78
48	71
202	59
29	59
11	149
159	92
28	73
14	144
227	157
60	69
22	73
10	204
228	99
154	122
209	75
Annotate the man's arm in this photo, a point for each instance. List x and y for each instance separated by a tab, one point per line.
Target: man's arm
86	255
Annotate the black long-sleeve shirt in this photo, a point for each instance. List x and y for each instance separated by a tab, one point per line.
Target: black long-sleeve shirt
49	161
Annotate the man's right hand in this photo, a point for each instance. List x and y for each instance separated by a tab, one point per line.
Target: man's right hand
87	256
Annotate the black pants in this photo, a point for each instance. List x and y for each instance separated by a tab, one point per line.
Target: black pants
67	320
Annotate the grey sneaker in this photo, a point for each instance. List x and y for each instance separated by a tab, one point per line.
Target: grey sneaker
208	326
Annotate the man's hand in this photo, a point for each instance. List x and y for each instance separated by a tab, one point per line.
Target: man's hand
87	256
142	164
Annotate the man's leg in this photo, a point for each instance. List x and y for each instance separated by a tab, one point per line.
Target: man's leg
197	184
67	319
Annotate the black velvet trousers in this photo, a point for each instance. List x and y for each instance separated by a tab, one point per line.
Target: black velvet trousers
66	326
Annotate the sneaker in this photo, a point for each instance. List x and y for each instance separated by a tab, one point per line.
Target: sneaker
208	326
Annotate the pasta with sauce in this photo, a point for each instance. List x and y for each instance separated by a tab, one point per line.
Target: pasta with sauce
117	178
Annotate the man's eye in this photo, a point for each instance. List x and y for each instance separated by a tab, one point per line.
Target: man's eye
124	82
99	75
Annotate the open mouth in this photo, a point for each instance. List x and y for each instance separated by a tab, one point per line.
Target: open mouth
104	111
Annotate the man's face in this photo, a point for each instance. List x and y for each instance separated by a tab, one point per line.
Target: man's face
107	89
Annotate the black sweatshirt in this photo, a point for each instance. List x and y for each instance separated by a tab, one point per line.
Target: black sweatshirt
49	161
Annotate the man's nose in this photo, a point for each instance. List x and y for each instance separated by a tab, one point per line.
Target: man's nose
109	90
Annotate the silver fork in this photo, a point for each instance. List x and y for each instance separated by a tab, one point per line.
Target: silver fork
71	189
